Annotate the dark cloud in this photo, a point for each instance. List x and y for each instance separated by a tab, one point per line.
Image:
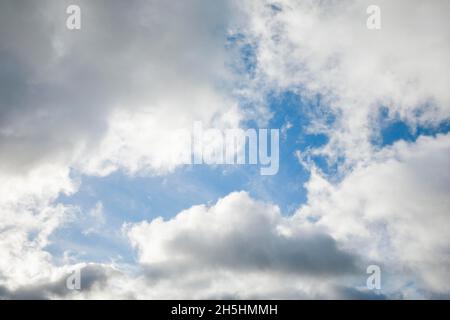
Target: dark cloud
91	275
58	87
264	250
238	236
350	293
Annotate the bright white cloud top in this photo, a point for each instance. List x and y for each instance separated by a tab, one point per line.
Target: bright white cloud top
103	101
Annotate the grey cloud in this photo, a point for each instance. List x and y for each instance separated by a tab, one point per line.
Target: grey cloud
58	87
350	293
313	254
242	237
91	275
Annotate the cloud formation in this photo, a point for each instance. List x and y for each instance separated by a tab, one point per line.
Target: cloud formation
103	97
237	237
395	211
94	101
108	98
324	51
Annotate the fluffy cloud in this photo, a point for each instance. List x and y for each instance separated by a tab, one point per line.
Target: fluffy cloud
395	212
102	97
324	49
95	100
108	97
94	279
237	248
28	217
392	212
229	248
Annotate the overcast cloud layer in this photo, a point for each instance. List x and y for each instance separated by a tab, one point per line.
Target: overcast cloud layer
109	98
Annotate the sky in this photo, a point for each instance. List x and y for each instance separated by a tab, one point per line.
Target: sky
89	120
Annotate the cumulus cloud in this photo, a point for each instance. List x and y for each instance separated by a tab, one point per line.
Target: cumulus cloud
101	98
94	284
240	233
108	97
395	212
236	240
392	212
95	100
237	248
324	49
28	216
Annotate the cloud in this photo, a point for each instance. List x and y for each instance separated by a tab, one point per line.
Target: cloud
94	278
324	51
100	99
392	211
237	238
395	212
237	248
108	97
29	216
94	101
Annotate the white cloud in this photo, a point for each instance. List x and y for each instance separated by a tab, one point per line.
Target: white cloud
153	140
238	247
395	211
392	211
101	98
324	48
95	100
28	217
